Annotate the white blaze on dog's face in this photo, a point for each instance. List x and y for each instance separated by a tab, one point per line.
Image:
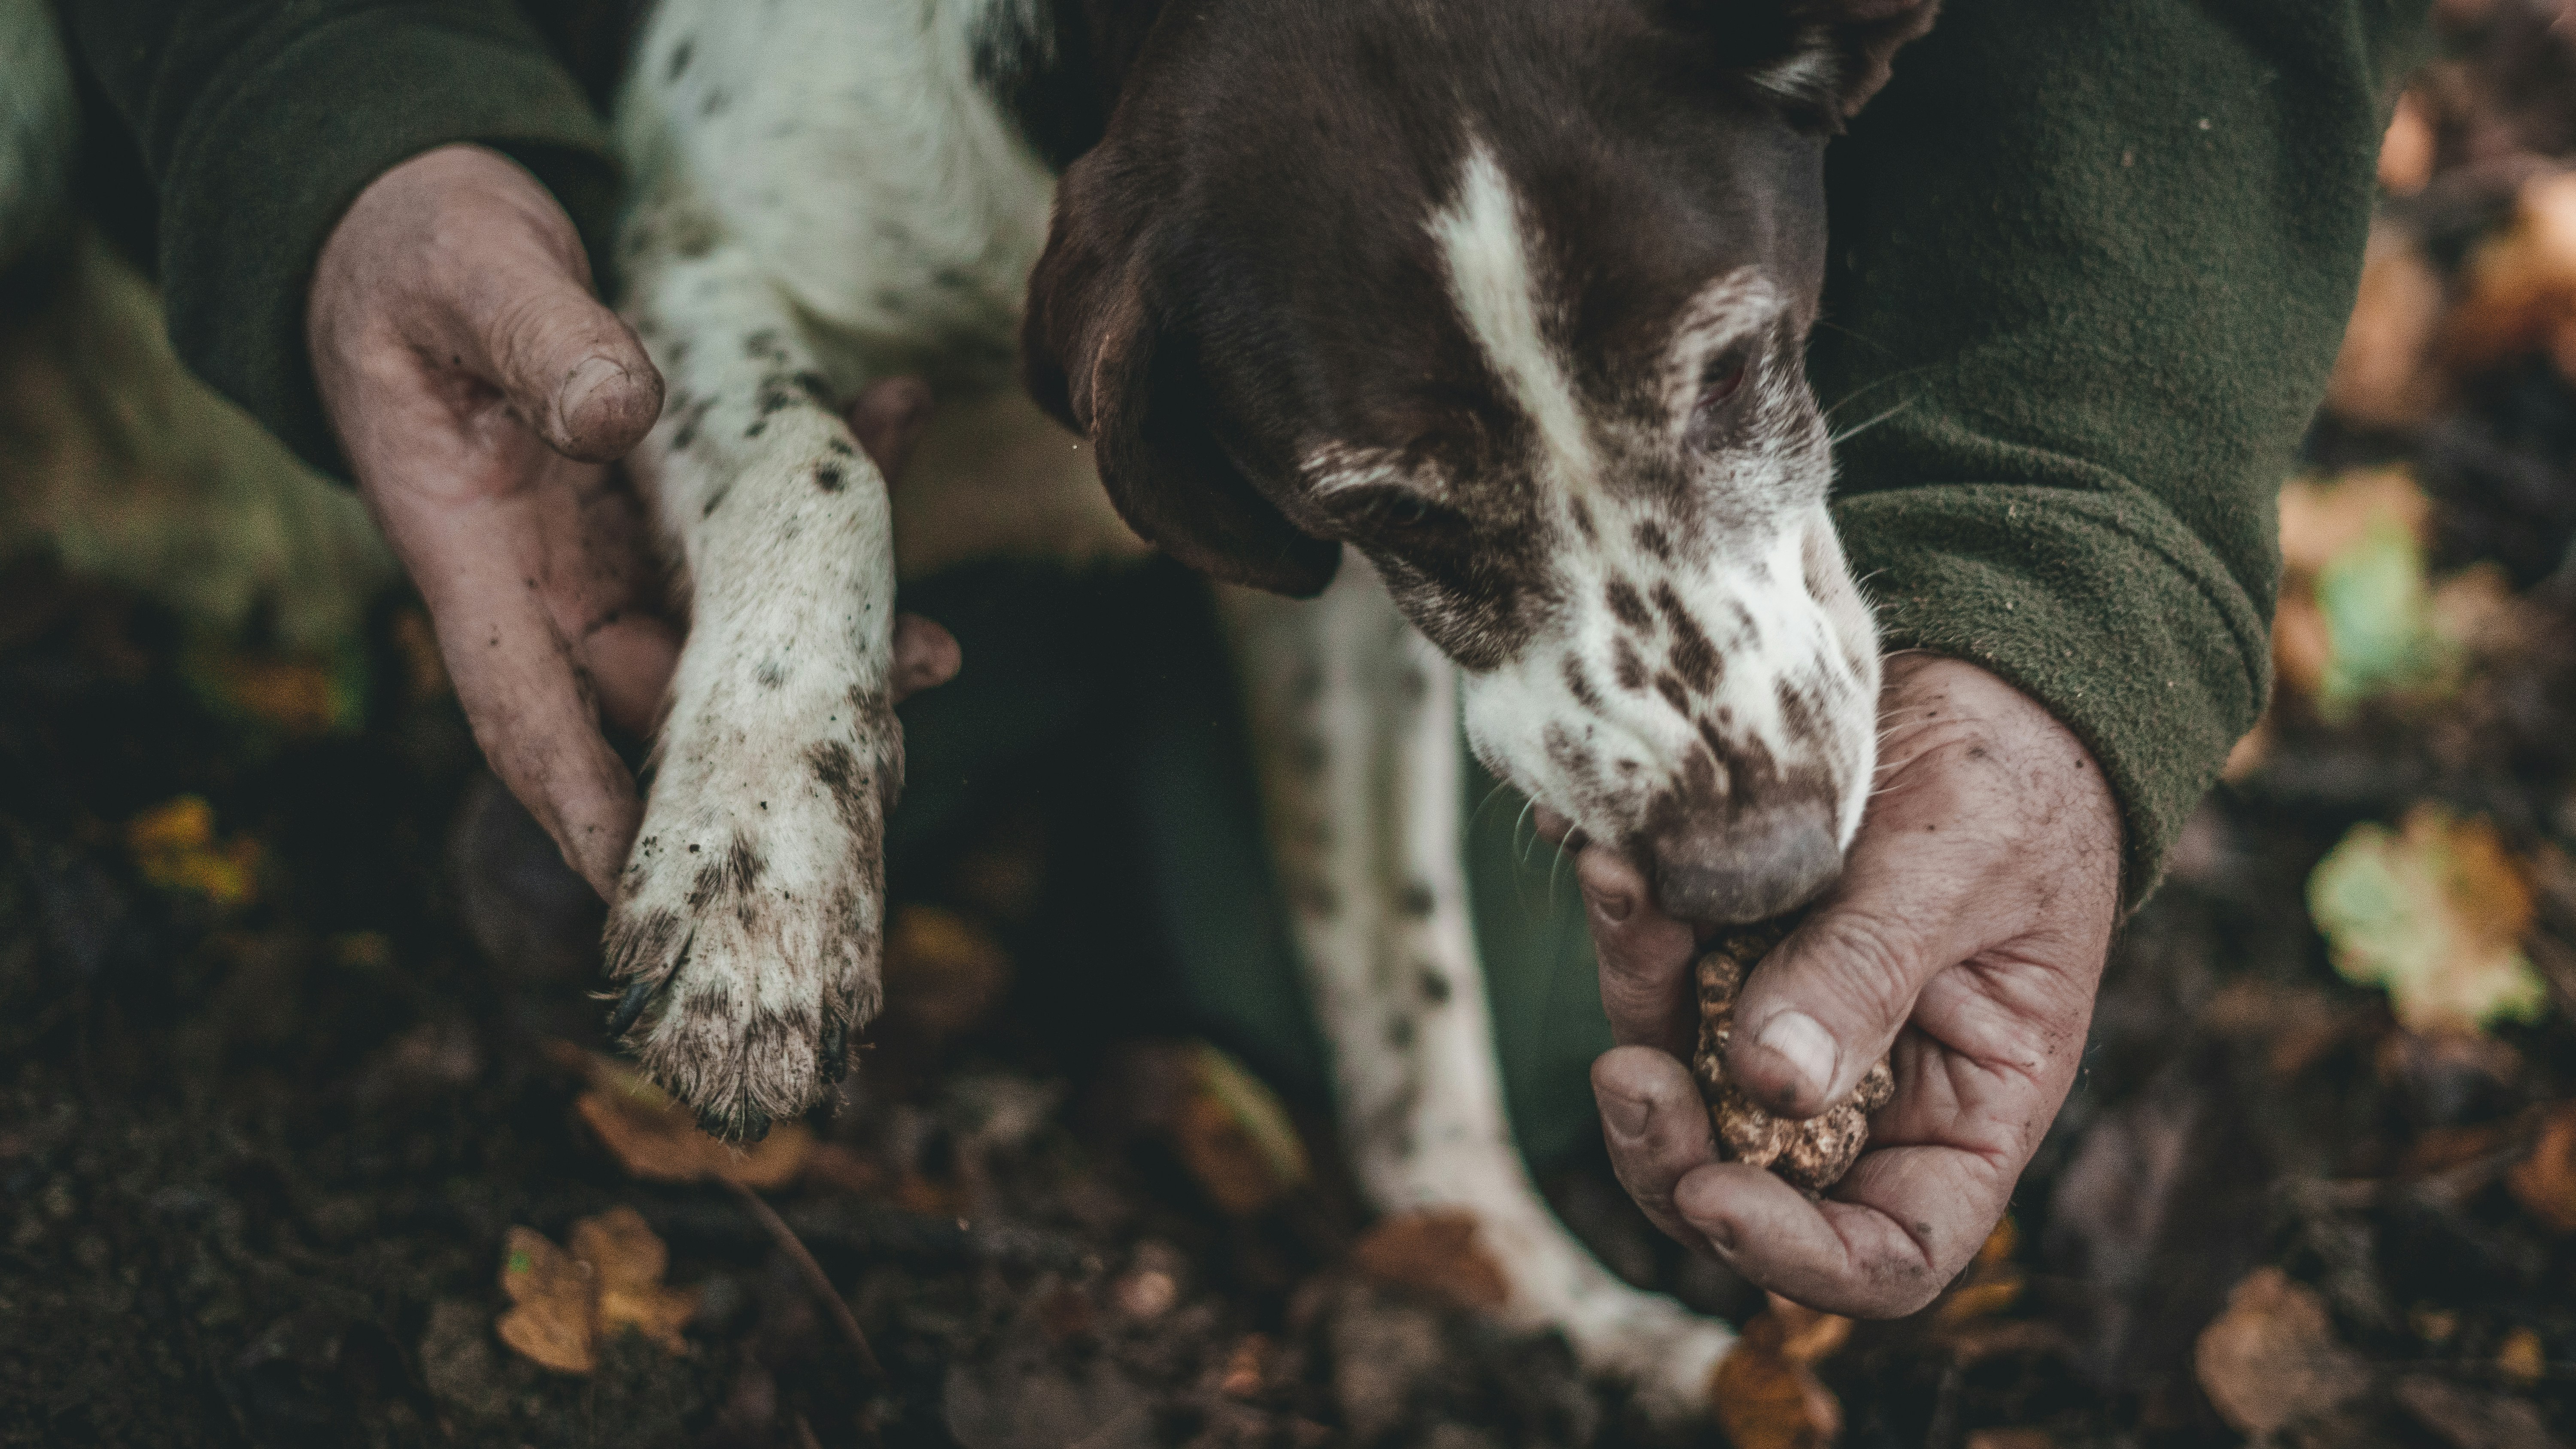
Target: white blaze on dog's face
1689	670
1515	303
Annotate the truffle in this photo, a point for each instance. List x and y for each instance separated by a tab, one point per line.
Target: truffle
1813	1154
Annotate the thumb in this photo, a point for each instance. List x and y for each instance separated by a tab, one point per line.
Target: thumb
570	367
1828	1001
523	315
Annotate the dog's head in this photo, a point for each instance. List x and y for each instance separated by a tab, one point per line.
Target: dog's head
1511	296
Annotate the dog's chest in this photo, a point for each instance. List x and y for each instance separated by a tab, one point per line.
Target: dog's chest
865	154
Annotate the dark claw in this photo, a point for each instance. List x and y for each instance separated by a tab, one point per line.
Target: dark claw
751	1129
630	1006
836	1052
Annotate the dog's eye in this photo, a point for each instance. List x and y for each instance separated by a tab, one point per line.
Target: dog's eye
1396	511
1724	381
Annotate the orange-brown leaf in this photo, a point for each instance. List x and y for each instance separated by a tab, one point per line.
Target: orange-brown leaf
1767	1400
1437	1251
2544	1183
563	1303
2272	1358
656	1139
627	1261
2521	284
1235	1138
553	1318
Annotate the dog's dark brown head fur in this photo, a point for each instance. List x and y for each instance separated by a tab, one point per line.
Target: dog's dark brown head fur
1511	296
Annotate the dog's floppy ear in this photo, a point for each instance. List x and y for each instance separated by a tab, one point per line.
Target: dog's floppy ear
1826	57
1098	357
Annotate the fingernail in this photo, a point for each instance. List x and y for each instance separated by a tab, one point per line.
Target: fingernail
1721	1237
1808	1047
592	375
1625	1117
1613	909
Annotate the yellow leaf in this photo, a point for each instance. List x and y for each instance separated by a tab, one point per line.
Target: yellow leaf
1236	1138
301	697
2436	913
175	848
2521	1359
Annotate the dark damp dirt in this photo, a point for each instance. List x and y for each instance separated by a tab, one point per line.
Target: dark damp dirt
260	1145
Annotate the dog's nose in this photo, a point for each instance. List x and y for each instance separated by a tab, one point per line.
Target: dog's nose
1757	865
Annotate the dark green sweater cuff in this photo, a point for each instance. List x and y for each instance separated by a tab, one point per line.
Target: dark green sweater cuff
2101	607
271	157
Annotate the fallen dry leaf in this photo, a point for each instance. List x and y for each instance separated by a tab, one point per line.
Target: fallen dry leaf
2434	912
2545	1182
553	1318
943	975
2357	617
1246	1369
2272	1358
1434	1251
2384	377
1234	1136
2324	518
1768	1399
656	1139
173	844
300	697
2521	1359
564	1303
1807	1336
2406	150
2464	1418
627	1262
2520	295
1992	1283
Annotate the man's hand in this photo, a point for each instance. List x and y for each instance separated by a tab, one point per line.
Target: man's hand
480	389
1969	930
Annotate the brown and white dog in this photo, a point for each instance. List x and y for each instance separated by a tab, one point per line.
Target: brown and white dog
1508	296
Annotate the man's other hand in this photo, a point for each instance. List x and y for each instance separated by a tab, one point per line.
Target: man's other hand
480	390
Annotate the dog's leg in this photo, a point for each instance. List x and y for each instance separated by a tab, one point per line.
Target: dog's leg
1355	732
750	912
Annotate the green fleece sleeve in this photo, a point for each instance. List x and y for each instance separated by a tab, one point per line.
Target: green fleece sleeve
2090	267
260	123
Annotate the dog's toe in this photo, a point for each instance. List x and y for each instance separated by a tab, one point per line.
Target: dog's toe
746	946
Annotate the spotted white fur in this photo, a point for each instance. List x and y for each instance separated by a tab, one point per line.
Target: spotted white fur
1354	722
823	196
1770	589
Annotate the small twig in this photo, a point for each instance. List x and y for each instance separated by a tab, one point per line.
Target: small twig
794	1247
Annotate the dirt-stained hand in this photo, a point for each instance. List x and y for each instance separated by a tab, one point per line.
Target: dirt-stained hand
480	390
1968	930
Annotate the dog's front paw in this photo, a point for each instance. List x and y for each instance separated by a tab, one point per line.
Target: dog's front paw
749	922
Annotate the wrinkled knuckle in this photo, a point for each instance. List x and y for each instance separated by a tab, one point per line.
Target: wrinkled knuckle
1871	966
